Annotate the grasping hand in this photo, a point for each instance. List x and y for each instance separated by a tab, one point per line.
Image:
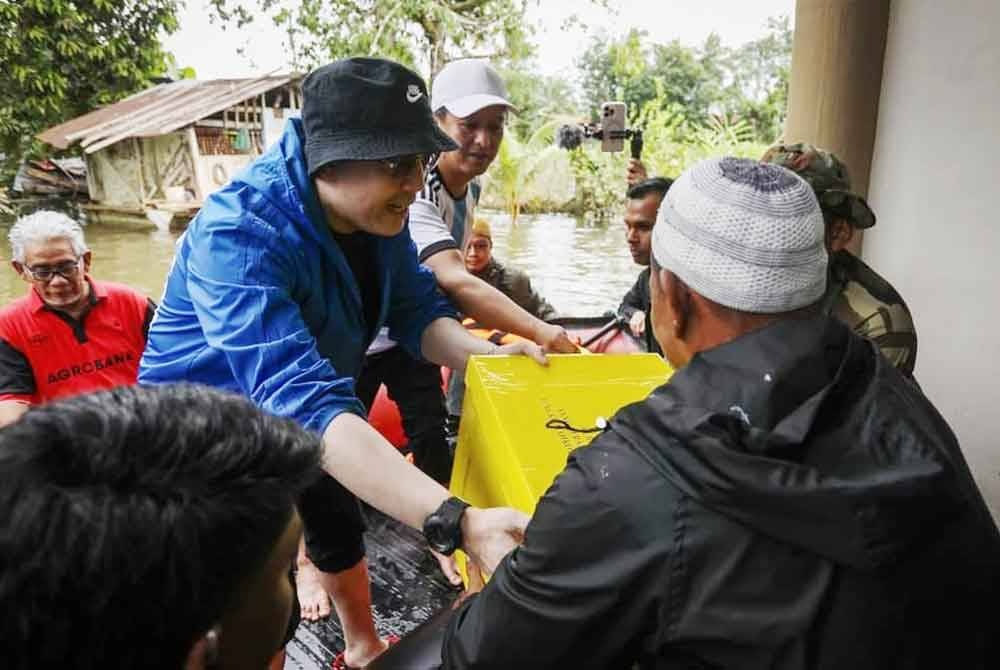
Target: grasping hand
637	324
490	534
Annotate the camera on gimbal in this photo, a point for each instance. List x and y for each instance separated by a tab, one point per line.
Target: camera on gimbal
611	131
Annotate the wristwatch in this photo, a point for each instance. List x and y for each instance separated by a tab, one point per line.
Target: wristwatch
443	527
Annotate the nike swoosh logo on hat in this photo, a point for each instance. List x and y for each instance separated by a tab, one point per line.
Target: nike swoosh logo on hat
413	93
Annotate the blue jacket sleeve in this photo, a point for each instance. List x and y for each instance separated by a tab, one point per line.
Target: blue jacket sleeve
240	281
415	299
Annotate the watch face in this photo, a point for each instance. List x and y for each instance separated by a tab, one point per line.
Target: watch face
438	536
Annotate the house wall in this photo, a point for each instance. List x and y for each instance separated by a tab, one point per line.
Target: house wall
114	175
135	170
273	121
216	171
167	163
934	186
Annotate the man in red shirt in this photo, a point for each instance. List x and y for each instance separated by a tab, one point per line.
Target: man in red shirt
70	334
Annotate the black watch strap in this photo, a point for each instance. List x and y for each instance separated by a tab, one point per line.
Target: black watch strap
443	527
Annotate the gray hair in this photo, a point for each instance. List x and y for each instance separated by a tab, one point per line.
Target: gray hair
43	226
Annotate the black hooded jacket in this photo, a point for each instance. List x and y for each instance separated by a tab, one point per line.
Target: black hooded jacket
787	500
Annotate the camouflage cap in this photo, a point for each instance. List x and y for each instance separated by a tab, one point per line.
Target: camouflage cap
828	177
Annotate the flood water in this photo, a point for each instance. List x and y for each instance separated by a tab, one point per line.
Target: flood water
582	269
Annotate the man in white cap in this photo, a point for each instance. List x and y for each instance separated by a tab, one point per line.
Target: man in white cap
787	500
470	103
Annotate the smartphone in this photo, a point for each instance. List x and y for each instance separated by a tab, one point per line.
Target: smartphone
613	125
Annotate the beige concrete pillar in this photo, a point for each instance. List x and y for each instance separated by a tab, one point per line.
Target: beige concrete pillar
836	79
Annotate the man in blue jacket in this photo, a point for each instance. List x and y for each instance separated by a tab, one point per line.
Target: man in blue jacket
282	281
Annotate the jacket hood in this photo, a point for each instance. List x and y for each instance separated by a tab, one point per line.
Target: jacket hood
804	433
280	175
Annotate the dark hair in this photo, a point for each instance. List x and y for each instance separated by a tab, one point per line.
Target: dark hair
132	517
658	185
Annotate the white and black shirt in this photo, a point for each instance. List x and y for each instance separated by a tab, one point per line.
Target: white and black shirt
438	221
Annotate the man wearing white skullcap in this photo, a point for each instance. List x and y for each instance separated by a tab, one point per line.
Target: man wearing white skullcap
788	499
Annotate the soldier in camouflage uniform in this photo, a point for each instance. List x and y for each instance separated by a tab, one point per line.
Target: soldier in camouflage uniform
855	293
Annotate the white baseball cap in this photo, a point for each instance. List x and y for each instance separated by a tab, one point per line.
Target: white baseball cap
463	87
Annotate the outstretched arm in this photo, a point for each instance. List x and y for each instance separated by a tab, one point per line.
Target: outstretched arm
371	468
447	342
490	307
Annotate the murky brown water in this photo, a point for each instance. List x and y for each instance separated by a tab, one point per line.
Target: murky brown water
582	270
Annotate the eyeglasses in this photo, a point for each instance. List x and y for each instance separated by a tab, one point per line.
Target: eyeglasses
403	166
65	270
479	245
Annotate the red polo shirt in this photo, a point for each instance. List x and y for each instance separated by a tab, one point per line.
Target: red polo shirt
46	354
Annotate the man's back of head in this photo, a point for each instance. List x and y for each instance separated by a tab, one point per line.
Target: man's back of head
799	431
737	244
139	521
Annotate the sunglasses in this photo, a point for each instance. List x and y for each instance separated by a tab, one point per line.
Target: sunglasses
403	166
65	270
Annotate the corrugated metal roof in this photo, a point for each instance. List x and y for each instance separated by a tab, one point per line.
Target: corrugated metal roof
158	110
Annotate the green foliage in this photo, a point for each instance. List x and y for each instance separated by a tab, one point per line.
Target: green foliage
760	71
691	102
748	82
538	99
518	164
673	141
63	58
413	32
600	183
677	144
616	70
672	144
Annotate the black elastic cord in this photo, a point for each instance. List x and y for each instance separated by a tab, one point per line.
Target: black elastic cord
560	424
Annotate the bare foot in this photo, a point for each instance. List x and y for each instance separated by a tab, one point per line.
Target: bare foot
357	657
313	599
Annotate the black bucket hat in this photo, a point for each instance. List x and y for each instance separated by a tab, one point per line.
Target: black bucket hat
367	109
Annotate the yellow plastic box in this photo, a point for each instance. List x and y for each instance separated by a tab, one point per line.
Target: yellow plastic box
506	455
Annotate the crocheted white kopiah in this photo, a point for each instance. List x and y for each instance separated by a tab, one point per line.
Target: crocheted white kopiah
744	234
